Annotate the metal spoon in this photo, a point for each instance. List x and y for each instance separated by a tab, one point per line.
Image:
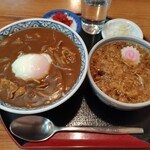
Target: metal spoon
36	128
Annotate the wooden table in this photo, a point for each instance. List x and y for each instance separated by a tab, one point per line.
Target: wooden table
14	10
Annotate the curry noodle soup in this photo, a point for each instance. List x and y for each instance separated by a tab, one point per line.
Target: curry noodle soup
53	47
121	69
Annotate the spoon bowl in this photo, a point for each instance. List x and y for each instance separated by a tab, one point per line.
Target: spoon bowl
37	128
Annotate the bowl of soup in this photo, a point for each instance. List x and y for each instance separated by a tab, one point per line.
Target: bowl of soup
119	72
43	63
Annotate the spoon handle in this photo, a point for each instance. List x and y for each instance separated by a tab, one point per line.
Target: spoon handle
105	130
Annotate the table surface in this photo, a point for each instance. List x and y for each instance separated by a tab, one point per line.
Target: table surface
13	10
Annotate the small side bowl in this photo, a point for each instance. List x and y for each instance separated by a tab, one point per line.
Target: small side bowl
121	27
76	25
99	93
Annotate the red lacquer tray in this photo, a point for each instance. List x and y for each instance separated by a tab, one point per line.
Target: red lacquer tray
85	109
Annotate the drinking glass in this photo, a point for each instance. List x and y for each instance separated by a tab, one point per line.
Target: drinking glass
93	15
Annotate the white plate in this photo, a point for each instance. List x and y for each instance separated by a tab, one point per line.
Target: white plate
121	27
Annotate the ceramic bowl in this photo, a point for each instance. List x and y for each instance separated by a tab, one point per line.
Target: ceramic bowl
121	27
45	23
103	96
69	15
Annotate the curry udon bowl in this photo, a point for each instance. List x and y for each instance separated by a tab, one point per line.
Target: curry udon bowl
43	63
119	72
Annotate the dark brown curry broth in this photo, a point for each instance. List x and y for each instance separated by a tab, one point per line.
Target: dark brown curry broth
59	79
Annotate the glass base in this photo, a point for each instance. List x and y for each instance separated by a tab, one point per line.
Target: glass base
92	28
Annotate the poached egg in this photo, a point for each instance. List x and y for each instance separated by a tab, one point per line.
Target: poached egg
31	66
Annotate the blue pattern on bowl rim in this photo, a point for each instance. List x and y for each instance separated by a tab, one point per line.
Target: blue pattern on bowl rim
41	22
69	13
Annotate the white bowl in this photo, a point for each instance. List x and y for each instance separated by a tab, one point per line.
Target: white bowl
100	94
121	27
45	23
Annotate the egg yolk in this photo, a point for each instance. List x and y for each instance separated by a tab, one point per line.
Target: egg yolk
32	66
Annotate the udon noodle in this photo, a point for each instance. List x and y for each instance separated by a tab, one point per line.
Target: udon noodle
122	79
